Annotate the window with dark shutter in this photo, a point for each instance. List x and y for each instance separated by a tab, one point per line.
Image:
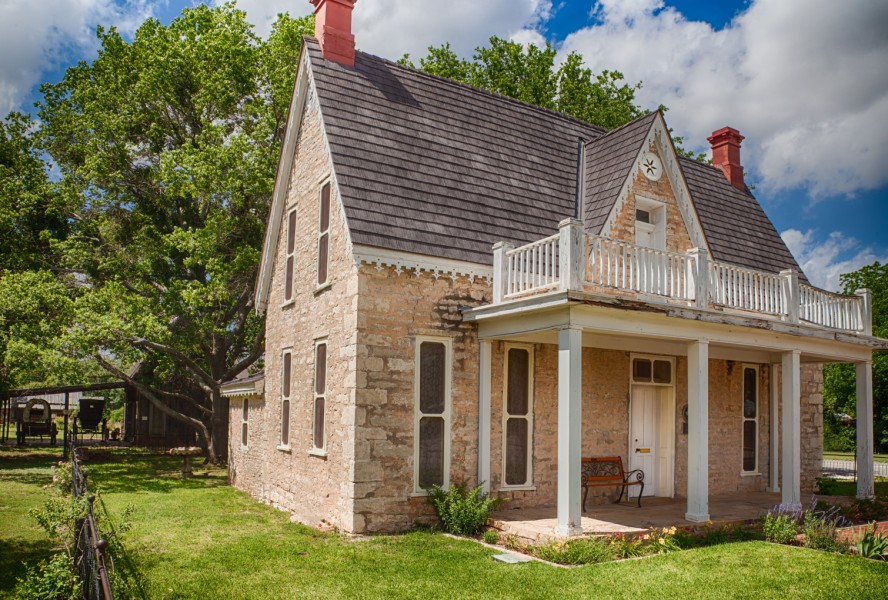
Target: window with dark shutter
518	416
432	414
244	425
291	256
324	234
750	420
286	369
320	396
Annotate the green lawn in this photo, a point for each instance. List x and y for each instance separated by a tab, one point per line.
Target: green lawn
23	473
202	539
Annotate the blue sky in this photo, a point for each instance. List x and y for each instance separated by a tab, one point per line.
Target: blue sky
805	82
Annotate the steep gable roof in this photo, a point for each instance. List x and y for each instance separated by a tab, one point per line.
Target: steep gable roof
609	161
737	229
431	166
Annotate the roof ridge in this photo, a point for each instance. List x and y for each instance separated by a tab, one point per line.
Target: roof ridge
624	126
478	90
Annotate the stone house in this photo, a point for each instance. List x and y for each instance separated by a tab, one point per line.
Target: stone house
462	287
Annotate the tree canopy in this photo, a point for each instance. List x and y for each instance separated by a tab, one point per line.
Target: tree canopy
839	380
165	149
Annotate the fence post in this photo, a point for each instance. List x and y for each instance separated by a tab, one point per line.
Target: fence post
571	259
866	310
791	296
500	270
698	277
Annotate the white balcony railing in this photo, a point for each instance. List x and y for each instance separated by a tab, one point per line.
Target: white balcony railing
625	266
573	261
745	289
830	310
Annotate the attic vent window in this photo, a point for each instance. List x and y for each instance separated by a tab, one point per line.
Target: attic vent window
643	216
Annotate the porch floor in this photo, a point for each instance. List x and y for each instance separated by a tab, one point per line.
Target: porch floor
538	524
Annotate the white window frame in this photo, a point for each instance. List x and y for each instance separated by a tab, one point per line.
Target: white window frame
744	418
321	285
281	445
528	481
657	224
652	358
417	414
245	420
287	256
322	450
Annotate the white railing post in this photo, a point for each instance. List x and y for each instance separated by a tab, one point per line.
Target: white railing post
500	270
698	276
866	310
791	294
571	245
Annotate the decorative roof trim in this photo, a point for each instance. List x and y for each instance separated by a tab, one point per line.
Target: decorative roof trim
282	181
419	263
659	135
239	389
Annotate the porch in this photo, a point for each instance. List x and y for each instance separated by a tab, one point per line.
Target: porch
538	524
574	292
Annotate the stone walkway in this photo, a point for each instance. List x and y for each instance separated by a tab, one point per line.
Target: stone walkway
538	524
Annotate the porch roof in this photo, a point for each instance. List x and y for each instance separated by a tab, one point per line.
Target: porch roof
657	327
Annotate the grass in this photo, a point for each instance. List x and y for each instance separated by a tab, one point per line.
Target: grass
200	538
23	473
851	456
848	487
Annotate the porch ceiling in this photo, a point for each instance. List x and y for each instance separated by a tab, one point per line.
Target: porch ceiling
652	328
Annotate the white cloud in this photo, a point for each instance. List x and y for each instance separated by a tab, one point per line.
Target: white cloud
391	28
824	260
36	36
805	83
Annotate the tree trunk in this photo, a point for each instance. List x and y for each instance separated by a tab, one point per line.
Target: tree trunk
218	429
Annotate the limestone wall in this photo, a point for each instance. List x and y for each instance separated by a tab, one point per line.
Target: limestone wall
313	488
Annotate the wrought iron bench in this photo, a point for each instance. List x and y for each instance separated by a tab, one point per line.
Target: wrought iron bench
608	471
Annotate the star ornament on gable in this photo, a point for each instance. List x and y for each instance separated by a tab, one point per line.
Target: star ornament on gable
651	167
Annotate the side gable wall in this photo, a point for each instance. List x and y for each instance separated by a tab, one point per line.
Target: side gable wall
316	489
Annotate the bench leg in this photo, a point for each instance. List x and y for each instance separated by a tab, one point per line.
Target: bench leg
585	493
622	490
640	493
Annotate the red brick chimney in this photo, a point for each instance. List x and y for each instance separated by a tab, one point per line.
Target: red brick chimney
726	154
333	28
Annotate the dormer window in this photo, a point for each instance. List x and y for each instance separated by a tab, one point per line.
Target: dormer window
650	223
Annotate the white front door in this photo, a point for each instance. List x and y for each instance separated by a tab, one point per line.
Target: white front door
643	442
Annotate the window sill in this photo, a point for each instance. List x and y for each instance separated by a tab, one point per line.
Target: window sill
288	303
244	448
323	288
284	449
419	494
517	488
750	474
317	452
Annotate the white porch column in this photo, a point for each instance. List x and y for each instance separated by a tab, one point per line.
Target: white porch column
865	484
698	432
791	441
570	404
774	463
484	385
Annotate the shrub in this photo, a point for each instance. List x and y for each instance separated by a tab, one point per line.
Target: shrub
491	536
583	551
827	486
864	511
872	544
780	527
55	579
462	511
820	534
629	547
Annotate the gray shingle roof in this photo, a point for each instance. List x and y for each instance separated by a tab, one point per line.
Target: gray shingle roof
737	229
435	167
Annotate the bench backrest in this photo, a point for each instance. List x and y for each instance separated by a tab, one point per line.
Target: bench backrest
602	469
